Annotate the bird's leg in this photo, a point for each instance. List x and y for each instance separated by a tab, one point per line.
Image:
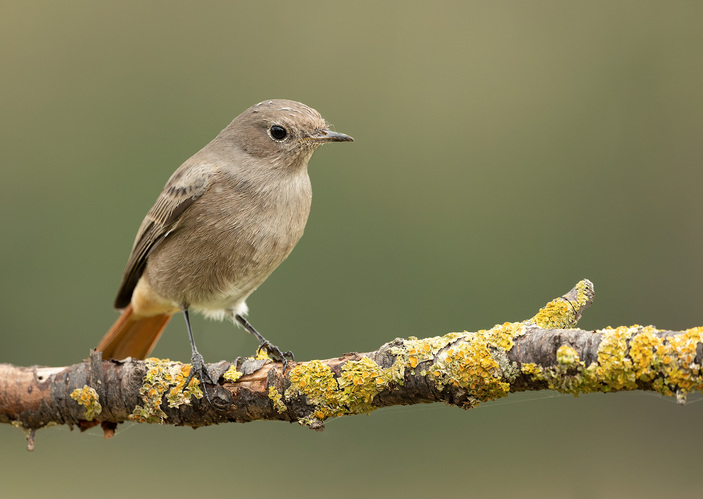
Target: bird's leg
197	362
272	349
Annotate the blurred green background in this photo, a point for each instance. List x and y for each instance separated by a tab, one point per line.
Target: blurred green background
504	150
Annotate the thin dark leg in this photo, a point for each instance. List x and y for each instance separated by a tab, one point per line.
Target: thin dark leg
272	349
197	362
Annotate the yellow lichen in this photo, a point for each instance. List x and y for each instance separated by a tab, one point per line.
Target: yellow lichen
567	356
503	336
317	382
470	364
533	370
642	348
277	399
164	377
231	374
474	361
360	381
350	393
614	368
584	293
479	363
556	314
561	313
675	357
628	357
88	398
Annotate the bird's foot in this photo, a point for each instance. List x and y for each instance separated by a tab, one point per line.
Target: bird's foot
275	353
199	369
272	350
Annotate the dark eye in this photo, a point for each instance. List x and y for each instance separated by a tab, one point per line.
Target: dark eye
278	132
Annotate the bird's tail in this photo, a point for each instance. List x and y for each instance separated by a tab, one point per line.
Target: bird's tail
132	336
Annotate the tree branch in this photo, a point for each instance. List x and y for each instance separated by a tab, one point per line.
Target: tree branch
462	369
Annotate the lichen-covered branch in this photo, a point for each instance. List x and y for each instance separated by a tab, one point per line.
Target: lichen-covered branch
462	369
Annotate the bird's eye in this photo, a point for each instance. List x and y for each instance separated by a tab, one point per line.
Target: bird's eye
278	132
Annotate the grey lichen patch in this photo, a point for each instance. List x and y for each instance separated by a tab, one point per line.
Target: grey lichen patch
164	378
88	398
509	369
29	433
414	351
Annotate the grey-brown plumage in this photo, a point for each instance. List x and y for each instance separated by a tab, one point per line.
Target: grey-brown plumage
224	221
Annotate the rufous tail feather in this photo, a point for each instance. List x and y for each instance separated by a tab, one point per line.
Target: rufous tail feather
132	336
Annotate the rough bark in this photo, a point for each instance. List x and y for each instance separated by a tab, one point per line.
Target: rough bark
462	369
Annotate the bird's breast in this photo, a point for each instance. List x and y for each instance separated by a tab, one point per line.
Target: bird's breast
226	244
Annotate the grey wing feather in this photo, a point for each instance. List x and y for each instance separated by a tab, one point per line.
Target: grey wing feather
182	189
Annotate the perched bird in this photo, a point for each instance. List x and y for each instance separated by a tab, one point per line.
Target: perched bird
225	220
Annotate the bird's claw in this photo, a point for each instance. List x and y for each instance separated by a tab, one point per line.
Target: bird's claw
199	369
276	353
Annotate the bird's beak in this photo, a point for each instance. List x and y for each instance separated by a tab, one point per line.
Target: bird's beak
327	135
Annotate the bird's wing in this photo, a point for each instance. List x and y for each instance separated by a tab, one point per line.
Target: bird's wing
185	186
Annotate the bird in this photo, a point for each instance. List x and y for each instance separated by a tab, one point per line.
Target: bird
226	218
